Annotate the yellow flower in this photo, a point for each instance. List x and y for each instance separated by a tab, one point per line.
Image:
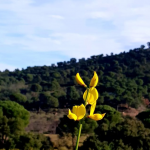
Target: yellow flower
78	112
79	80
95	117
92	95
94	80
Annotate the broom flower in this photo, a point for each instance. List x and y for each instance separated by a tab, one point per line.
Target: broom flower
92	95
78	112
80	81
94	80
93	116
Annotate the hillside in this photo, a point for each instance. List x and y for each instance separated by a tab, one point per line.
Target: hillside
48	91
123	78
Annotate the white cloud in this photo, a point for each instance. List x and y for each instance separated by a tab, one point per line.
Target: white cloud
57	16
64	26
102	15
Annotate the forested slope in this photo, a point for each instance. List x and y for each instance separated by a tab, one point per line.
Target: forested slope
123	78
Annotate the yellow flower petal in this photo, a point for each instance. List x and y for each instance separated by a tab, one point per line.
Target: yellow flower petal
74	109
94	92
79	80
81	111
97	117
94	80
72	115
78	112
92	95
92	108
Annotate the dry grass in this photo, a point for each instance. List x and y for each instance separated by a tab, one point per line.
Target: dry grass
44	122
9	149
65	141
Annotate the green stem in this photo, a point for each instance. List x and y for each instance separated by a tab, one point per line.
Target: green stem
79	133
80	128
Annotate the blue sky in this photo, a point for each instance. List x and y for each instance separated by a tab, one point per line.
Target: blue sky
42	32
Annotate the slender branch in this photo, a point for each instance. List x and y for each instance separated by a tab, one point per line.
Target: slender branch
80	128
79	133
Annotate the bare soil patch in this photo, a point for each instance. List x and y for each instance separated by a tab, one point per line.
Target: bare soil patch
133	112
45	122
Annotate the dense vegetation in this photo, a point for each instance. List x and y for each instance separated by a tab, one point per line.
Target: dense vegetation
123	78
118	133
13	120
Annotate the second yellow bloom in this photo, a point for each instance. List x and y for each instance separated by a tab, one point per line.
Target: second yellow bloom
94	80
92	95
93	116
78	112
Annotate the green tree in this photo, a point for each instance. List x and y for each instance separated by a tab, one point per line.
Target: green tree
55	85
145	118
47	100
72	93
34	141
73	60
58	93
129	134
56	75
29	77
112	116
84	73
52	102
18	97
36	87
37	79
13	119
92	143
14	110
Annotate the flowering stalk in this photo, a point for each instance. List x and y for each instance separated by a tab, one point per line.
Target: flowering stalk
80	128
90	96
79	133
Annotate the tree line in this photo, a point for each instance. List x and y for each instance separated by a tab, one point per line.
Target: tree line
123	78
